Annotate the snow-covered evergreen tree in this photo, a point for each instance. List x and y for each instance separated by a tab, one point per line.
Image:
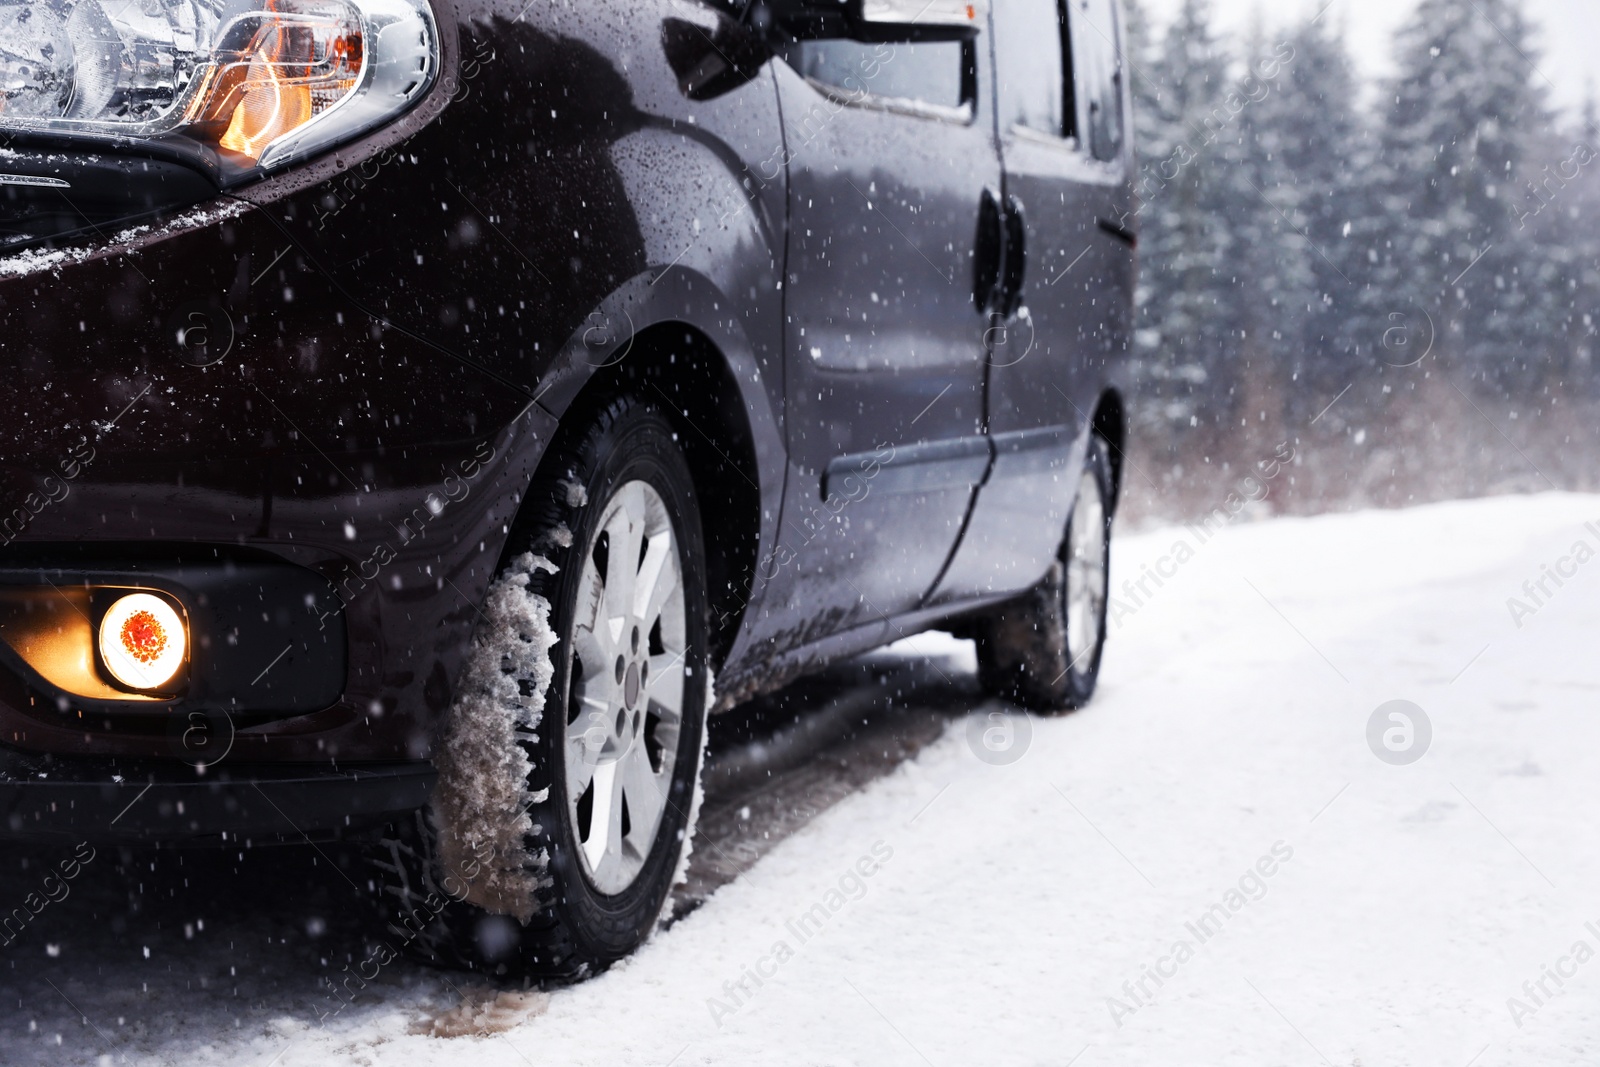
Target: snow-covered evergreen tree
1556	214
1268	276
1298	236
1321	140
1185	290
1458	125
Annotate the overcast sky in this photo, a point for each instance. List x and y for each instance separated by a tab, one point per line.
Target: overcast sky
1569	33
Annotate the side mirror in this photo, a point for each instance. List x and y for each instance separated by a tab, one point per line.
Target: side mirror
876	21
711	64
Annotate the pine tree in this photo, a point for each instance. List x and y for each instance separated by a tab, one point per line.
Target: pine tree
1586	300
1321	139
1565	194
1161	413
1270	280
1454	149
1586	297
1304	236
1184	243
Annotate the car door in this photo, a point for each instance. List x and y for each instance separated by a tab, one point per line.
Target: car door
890	154
1060	120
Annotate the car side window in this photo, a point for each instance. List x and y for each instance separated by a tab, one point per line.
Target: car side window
937	73
1031	46
1099	68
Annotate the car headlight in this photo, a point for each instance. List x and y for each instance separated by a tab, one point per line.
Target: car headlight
258	83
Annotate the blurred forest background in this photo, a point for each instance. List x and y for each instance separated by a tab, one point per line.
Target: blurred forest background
1401	280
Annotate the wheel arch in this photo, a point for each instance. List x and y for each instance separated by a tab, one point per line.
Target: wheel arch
685	373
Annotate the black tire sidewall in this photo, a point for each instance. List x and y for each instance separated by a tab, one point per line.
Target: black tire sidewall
1080	685
638	444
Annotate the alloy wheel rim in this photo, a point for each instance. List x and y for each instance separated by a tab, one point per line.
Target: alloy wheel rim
626	686
1085	591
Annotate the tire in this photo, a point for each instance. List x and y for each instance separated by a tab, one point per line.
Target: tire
568	779
1043	650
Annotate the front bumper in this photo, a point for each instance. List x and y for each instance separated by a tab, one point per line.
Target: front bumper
377	473
48	798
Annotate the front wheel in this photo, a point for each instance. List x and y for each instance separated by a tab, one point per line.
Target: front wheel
567	787
1043	650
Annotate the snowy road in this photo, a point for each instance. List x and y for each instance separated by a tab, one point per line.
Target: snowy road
1210	865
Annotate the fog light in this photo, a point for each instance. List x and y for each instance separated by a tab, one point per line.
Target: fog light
142	641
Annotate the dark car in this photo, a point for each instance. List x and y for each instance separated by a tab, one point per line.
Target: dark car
423	412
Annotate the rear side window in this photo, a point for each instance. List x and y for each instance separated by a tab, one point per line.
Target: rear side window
930	73
1031	44
1099	69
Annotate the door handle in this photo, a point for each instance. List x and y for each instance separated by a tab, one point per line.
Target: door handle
1000	261
989	253
1016	258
